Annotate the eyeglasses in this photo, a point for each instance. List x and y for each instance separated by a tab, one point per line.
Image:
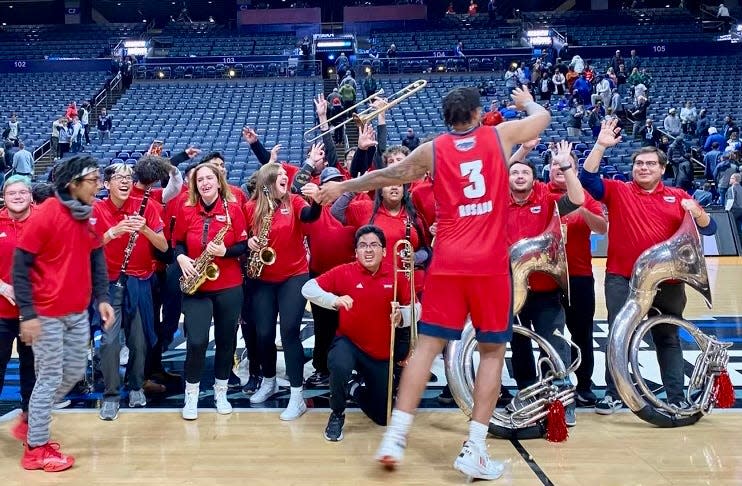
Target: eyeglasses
94	180
17	193
369	246
649	164
122	178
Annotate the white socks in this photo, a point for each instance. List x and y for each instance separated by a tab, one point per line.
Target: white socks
400	423
478	434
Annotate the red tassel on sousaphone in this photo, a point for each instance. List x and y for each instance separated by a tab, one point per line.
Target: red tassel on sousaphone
723	391
556	422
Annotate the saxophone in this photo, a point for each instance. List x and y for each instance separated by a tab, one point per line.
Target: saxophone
205	267
265	255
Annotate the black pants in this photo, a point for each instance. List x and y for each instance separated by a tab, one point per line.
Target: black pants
249	333
670	300
325	326
271	299
343	358
579	317
224	306
9	329
167	299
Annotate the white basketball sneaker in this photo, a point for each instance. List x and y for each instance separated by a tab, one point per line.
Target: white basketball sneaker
476	463
391	450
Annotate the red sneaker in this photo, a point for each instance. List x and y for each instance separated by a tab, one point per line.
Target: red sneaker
20	430
46	457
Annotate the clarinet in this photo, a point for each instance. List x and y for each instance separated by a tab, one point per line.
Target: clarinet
132	241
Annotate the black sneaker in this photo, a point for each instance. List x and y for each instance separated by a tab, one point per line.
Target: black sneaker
585	398
445	398
318	378
352	387
334	429
252	384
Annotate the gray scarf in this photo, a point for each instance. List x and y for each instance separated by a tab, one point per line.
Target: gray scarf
79	210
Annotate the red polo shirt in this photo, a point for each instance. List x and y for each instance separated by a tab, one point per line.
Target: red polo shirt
155	194
285	237
579	257
190	225
61	279
530	219
10	231
330	243
142	260
424	202
367	323
639	220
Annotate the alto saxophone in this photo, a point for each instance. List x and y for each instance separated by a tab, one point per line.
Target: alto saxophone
265	255
204	265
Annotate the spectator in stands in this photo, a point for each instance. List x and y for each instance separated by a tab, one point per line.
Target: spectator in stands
13	131
633	62
582	89
64	138
577	64
723	15
76	135
411	141
733	202
672	124
688	118
57	127
714	136
602	92
574	122
511	78
589	74
615	107
612	79
595	116
85	120
729	126
392	53
459	49
621	79
349	79
723	173
664	143
560	82
347	94
545	87
571	77
370	86
617	60
373	53
702	127
677	157
493	117
492	11
473	8
23	162
703	195
733	143
450	10
105	124
711	159
71	111
523	73
639	114
342	63
649	136
634	78
3	166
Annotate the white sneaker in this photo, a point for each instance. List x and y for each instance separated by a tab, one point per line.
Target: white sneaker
295	409
223	407
391	451
476	463
267	389
190	409
124	356
242	370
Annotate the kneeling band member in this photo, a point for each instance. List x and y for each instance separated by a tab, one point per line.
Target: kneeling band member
362	292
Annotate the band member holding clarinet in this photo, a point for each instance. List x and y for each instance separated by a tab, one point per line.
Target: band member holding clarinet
278	262
59	263
131	230
210	236
13	219
362	292
470	184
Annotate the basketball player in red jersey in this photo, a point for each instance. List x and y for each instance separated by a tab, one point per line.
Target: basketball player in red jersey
470	186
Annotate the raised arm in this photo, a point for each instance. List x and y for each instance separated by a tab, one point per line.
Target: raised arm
610	135
520	131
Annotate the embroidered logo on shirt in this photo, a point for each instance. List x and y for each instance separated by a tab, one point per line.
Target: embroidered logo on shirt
93	221
536	209
669	199
465	144
3	235
221	218
359	286
388	286
284	210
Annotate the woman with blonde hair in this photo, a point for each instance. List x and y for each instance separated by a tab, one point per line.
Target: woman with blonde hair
210	208
278	214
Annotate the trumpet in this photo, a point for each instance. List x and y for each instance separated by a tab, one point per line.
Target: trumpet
404	265
365	116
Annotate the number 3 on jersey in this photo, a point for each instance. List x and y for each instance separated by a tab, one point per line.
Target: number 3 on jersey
473	170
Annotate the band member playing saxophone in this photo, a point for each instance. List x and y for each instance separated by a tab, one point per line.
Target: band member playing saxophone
275	216
210	227
643	212
361	292
131	229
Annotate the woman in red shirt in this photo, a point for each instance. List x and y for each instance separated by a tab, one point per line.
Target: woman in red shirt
17	196
210	206
277	291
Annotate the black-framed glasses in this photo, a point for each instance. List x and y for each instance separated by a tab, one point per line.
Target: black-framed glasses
368	246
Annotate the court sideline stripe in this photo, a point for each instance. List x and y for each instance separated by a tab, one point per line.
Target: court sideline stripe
540	474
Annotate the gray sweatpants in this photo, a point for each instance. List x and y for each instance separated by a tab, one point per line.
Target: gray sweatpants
61	355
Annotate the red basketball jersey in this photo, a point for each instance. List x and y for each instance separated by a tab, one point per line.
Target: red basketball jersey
470	186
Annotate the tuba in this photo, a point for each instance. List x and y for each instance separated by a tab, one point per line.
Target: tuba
678	258
544	253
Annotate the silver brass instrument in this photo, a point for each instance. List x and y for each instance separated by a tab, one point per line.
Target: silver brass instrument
204	265
368	114
678	258
543	253
265	255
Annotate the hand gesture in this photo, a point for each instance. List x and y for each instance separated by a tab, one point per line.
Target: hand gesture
378	103
253	243
433	228
274	152
310	190
317	153
345	302
6	290
124	227
396	315
521	97
610	133
216	249
563	155
186	266
136	222
249	135
367	137
692	207
192	152
30	330
329	192
107	314
320	104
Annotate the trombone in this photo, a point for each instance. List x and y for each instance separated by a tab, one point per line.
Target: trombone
404	265
368	114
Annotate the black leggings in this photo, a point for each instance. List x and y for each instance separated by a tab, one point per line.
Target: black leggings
224	306
8	333
247	323
269	300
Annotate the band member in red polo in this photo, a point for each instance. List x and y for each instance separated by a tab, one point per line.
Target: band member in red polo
13	219
470	184
580	308
53	280
643	213
362	293
117	218
530	211
210	207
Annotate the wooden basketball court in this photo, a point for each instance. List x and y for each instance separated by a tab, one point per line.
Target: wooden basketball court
155	446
